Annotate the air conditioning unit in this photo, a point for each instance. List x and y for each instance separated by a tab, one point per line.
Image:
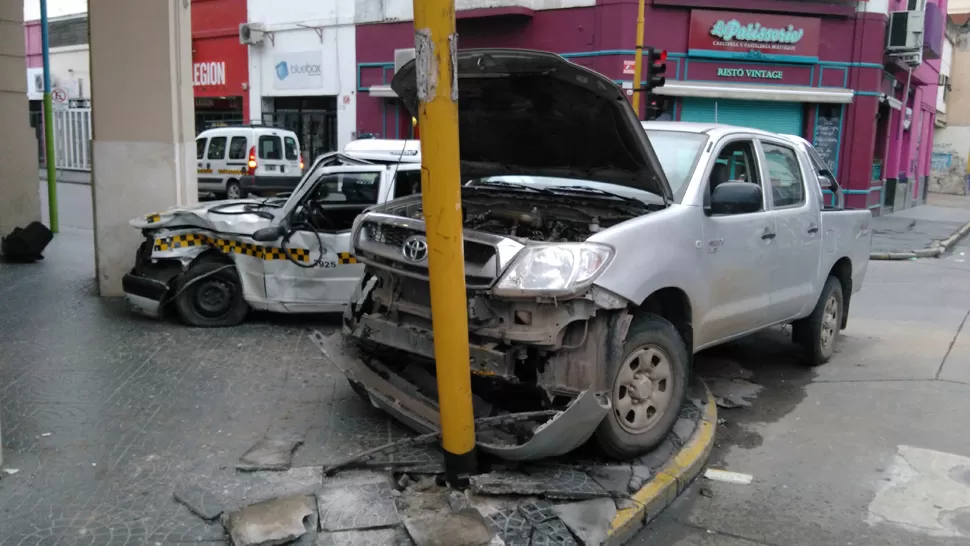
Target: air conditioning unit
402	57
35	84
251	34
906	28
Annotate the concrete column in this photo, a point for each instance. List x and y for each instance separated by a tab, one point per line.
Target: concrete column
19	199
143	116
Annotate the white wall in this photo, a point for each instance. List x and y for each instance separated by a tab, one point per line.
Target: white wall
369	11
946	62
948	164
874	6
334	52
71	70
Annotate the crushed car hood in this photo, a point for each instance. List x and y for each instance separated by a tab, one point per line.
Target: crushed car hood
535	113
236	216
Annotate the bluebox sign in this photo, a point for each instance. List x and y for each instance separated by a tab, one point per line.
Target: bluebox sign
298	70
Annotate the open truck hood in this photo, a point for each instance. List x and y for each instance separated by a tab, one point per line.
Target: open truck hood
535	113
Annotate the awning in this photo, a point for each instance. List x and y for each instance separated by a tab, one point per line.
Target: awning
742	91
893	102
382	91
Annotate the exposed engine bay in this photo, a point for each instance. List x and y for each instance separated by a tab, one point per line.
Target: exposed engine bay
530	217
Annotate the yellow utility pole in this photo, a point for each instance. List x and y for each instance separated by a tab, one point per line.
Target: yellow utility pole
436	45
638	63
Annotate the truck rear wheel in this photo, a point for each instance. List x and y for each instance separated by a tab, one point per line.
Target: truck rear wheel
210	295
817	333
649	384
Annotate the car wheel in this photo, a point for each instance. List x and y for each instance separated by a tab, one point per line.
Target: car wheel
233	190
210	295
817	333
648	386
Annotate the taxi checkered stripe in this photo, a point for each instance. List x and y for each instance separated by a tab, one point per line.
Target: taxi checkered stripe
346	258
229	246
152	218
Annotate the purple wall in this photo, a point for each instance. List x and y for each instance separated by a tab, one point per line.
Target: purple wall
34	45
602	37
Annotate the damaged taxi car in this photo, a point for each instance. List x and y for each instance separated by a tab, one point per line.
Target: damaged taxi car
599	257
214	262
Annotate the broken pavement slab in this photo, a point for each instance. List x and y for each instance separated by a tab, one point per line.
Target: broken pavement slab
272	522
549	481
363	501
463	528
588	520
396	536
270	454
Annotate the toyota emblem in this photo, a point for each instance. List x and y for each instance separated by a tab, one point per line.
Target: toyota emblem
415	248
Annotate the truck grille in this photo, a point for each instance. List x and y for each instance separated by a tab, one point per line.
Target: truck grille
379	240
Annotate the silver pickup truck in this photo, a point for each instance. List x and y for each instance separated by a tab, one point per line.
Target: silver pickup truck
599	258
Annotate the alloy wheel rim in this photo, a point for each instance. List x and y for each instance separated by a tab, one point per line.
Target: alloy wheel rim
642	390
234	192
830	322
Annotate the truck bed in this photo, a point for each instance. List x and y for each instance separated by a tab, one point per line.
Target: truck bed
847	233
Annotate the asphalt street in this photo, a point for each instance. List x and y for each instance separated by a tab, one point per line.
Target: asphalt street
869	449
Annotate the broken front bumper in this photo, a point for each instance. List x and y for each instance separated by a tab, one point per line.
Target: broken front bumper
560	434
144	294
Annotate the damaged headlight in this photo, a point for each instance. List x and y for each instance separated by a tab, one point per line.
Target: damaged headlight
554	269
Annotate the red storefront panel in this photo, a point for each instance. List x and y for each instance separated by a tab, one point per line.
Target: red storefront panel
220	64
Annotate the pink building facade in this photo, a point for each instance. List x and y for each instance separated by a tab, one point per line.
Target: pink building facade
820	71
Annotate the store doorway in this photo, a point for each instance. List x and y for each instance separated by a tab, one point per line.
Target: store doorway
313	119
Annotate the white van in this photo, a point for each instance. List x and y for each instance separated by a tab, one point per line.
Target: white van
233	159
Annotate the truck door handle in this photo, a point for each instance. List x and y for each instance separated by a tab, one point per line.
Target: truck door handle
813	228
767	234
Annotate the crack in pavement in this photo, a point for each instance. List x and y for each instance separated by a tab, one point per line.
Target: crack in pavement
952	343
708	530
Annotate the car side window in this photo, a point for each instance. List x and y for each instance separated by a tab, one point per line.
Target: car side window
237	147
290	146
787	184
200	148
407	183
270	147
735	162
348	189
217	148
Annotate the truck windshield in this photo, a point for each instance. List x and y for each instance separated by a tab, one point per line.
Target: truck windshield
678	152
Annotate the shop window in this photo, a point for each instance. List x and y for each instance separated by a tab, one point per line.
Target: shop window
292	150
270	147
407	183
217	148
200	148
787	186
237	147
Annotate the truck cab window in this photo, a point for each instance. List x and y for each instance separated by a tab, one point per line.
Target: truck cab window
407	183
787	185
736	163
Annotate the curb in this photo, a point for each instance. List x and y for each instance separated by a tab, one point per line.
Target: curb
932	251
670	481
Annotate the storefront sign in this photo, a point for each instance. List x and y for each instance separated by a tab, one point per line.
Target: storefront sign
298	70
752	73
754	34
210	73
749	72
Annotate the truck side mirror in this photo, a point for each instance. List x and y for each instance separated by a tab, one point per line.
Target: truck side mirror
736	198
268	234
825	182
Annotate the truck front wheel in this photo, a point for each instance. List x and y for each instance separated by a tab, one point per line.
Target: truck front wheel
817	333
649	384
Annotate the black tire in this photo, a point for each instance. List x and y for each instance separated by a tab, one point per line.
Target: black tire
617	435
233	190
818	332
210	295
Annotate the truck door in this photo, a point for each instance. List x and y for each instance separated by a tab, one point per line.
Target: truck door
326	279
737	249
798	243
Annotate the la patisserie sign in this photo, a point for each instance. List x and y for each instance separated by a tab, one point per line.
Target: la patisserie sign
754	33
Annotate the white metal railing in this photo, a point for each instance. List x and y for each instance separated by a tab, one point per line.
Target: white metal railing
72	139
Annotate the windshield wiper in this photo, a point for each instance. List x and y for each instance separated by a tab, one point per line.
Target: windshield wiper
587	189
510	185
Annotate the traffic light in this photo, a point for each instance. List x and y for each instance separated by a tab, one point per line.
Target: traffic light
656	62
656	68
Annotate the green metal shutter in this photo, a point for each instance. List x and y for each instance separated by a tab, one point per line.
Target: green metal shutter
777	117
